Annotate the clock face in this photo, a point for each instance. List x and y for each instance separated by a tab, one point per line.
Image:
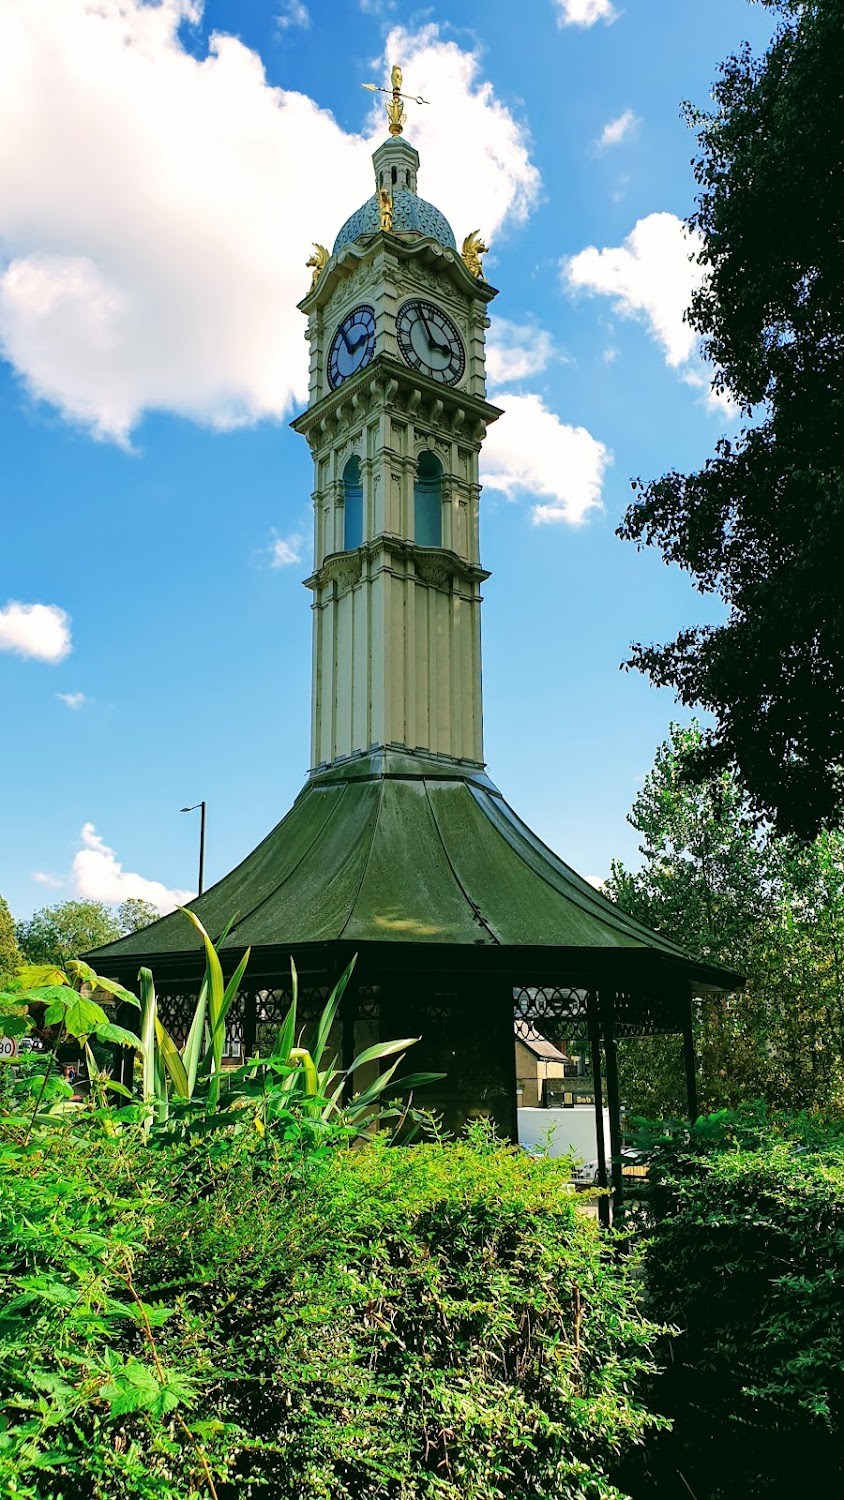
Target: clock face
352	346
430	342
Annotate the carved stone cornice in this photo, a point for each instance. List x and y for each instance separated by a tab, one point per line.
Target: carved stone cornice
344	569
387	385
436	567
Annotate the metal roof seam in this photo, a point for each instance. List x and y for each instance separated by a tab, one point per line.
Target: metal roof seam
475	909
297	866
622	919
367	861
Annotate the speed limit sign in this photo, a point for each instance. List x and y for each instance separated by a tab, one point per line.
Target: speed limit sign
8	1049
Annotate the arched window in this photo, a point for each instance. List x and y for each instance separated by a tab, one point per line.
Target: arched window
352	505
428	502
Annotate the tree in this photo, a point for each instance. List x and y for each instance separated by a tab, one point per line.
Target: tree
734	891
762	523
10	954
134	913
56	933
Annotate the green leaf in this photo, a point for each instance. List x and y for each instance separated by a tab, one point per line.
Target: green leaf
35	976
229	996
172	1060
111	1033
216	991
196	1035
380	1050
46	994
118	1088
137	1387
83	972
82	1017
15	1025
148	1018
332	1005
287	1030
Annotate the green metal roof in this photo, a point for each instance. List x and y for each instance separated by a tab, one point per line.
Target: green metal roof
404	849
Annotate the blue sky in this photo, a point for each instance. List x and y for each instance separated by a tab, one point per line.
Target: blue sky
164	170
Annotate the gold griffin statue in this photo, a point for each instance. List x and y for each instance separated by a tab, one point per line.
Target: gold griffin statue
385	207
473	249
318	262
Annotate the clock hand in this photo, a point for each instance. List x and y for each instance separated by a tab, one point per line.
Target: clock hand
357	343
429	336
432	342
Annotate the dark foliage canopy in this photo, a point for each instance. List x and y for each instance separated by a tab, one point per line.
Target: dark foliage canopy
762	523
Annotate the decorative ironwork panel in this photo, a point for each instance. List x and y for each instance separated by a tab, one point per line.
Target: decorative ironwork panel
367	1002
176	1010
559	1012
638	1014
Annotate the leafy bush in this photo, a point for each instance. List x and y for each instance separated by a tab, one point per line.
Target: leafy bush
745	1258
261	1316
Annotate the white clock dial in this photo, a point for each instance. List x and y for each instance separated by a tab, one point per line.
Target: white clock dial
429	341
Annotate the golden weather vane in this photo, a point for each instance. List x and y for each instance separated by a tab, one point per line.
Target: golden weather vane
394	106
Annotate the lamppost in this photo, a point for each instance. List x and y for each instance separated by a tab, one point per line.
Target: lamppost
201	841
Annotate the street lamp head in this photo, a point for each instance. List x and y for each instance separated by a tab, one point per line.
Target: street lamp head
190	809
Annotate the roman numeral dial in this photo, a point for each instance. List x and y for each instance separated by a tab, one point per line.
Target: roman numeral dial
429	341
352	346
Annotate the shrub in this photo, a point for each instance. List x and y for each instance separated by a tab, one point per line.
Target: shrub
745	1257
435	1322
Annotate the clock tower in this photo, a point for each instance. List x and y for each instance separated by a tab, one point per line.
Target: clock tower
400	852
396	416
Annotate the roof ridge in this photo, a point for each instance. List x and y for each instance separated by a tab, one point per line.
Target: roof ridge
606	909
250	912
475	909
368	859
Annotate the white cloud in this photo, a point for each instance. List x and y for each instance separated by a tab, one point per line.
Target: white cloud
99	876
52	882
286	550
516	350
157	209
39	630
651	278
73	700
615	130
599	881
530	451
585	12
293	13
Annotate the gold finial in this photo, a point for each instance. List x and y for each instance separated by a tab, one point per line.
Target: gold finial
473	249
394	106
318	261
385	207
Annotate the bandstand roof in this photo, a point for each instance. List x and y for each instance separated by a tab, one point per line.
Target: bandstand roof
398	849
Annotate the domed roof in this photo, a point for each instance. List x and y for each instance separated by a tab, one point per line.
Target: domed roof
411	215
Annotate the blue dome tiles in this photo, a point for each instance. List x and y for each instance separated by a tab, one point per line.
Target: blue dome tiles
411	215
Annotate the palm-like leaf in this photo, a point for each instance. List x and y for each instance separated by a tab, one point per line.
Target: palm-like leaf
172	1060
